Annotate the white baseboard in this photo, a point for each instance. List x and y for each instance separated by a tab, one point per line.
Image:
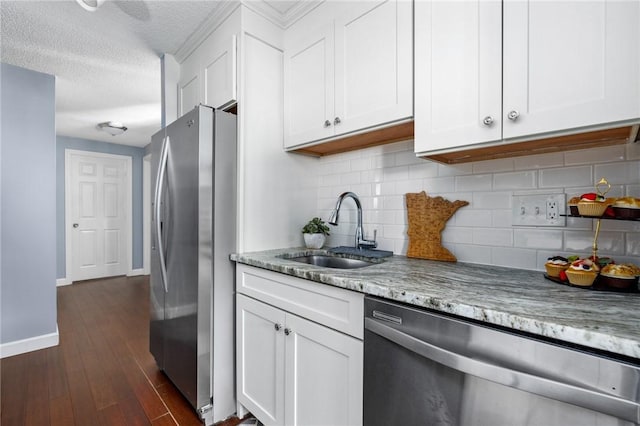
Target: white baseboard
28	345
136	272
63	281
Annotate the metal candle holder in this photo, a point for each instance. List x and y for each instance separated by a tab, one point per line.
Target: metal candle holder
602	192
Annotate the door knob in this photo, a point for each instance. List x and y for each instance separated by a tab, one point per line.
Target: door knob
488	120
277	326
75	225
513	115
337	120
327	123
287	331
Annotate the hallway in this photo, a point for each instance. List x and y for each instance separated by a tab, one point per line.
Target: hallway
101	373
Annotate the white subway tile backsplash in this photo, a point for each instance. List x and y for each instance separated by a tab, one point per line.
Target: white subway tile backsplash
514	258
423	170
470	254
395	202
482	231
383	161
492	200
384	188
455	169
350	178
474	183
361	164
619	173
396	173
566	176
609	243
540	161
632	244
632	151
406	158
538	238
515	180
394	231
492	237
633	191
373	175
595	155
439	185
452	234
501	218
404	186
493	166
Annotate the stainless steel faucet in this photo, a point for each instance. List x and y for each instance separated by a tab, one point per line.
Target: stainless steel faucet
360	241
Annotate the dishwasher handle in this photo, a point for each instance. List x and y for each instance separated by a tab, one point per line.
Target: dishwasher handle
564	392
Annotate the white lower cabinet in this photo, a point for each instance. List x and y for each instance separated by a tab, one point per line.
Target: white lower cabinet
293	371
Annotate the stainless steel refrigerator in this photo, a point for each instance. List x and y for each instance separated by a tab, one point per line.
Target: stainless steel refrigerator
192	279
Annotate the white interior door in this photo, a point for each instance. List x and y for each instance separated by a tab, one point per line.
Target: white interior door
97	214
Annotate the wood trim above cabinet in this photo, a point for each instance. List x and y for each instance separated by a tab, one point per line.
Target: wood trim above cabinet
593	139
395	133
404	131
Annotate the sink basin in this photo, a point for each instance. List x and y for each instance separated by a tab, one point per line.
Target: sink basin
332	262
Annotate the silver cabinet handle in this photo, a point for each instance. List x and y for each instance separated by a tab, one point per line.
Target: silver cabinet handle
488	120
75	225
327	123
513	115
565	392
287	331
164	155
337	120
277	326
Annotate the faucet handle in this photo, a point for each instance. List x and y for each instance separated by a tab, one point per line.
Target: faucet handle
370	244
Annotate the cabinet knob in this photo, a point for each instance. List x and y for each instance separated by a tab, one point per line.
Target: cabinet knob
336	120
287	331
327	123
487	121
513	115
277	326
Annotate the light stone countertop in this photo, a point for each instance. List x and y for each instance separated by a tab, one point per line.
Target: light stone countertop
514	298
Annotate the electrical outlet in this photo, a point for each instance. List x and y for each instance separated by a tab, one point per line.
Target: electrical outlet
539	210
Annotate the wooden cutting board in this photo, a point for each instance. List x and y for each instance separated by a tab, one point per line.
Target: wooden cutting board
427	218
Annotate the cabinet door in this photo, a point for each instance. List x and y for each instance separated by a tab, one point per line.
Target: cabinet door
569	64
260	359
188	92
374	64
308	87
323	375
219	74
458	73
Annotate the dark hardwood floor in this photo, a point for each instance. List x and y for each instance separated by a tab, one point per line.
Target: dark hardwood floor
101	373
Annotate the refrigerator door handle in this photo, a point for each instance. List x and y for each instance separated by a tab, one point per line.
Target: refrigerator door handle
164	156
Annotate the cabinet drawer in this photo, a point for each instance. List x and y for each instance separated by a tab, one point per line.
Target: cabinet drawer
333	307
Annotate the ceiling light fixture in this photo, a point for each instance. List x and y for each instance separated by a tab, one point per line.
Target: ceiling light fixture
112	127
90	5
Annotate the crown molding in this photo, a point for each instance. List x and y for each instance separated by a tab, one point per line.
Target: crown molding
283	20
226	7
214	20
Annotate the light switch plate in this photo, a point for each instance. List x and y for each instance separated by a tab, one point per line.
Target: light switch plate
539	210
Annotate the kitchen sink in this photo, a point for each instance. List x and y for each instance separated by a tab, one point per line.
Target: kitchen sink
332	261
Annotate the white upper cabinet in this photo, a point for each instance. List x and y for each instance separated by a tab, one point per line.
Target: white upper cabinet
488	71
348	67
308	72
208	75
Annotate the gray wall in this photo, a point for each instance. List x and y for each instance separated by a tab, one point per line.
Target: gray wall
65	142
28	200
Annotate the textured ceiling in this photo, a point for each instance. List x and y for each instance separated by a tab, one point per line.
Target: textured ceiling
106	63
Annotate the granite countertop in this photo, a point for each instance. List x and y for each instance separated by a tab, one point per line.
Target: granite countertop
514	298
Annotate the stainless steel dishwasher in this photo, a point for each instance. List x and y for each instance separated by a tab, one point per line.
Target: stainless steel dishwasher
422	368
